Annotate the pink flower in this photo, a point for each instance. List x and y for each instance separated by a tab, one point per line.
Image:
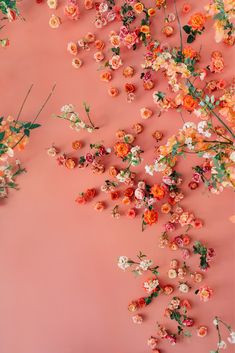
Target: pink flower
71	9
131	213
204	293
197	223
171	339
115	62
186	218
89	158
139	194
137	319
188	322
152	342
169	227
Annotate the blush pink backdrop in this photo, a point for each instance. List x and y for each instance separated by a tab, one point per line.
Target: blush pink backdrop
60	288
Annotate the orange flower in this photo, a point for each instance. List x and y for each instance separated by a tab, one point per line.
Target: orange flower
138	7
197	21
70	163
129	192
168	30
54	21
99	44
88	4
151	11
120	134
129	88
126	200
90	194
76	145
128	71
99	206
160	3
106	76
146	113
138	128
189	103
145	29
113	171
121	149
157	191
189	52
150	217
166	207
113	91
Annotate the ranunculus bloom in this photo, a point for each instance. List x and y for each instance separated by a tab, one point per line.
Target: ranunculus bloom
54	21
145	113
76	145
71	10
157	191
72	48
197	21
99	44
70	163
121	149
205	293
90	193
189	103
129	88
202	331
128	71
150	217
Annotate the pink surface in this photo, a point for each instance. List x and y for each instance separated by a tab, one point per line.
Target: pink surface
60	288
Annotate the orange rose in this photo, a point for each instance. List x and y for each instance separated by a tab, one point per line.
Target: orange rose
113	171
160	3
120	134
99	44
54	21
189	103
72	48
121	149
99	206
106	76
157	191
150	217
138	128
70	163
76	145
189	52
129	192
151	11
148	85
197	21
90	193
128	71
166	207
126	200
144	29
129	88
138	7
168	30
88	4
113	91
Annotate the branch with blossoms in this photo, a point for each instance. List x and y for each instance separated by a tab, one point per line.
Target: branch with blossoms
219	323
10	12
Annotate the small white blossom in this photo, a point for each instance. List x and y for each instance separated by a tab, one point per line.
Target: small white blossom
231	339
149	169
68	108
123	262
222	345
232	156
189	125
145	264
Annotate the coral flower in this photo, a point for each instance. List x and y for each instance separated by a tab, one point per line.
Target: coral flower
202	331
205	293
76	145
99	206
72	48
121	149
197	21
106	76
128	71
150	217
189	103
70	163
146	113
138	7
157	191
114	195
72	10
131	213
88	4
144	29
113	91
189	52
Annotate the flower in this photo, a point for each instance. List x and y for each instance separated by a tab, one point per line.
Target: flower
52	151
52	4
76	63
145	264
221	345
99	56
88	4
152	342
106	76
138	7
137	319
115	62
205	293
76	145
184	288
72	48
197	21
151	284
70	163
231	339
71	10
54	21
150	217
157	191
146	113
202	331
113	91
128	71
189	103
186	8
123	262
131	213
172	273
121	149
99	206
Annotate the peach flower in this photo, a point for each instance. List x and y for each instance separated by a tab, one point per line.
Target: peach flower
113	171
70	163
150	217
131	213
99	44
76	63
138	7
202	331
113	91
205	293
54	21
146	113
99	206
72	48
115	62
128	71
99	56
137	319
168	30
138	128
52	4
197	21
72	10
76	145
106	76
89	37
88	4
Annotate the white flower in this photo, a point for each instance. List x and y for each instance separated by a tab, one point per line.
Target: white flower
189	125
145	264
159	167
231	339
149	169
52	4
232	156
123	262
222	345
90	129
202	128
151	285
82	124
184	288
10	152
189	143
68	108
108	150
135	149
215	322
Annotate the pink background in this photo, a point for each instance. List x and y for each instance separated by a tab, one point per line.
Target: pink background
60	288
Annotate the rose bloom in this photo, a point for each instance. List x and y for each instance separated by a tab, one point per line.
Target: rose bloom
76	145
131	213
120	134
76	63
137	319
168	30
197	277
115	41
186	218
99	206
52	4
193	185
152	342
151	12
99	56
128	72
113	91
113	171
126	200
169	227
89	37
186	8
150	217
99	44
129	88
216	65
88	4
115	62
52	151
221	84
157	191
160	3
138	128
54	21
186	239
172	273
133	306
129	192
157	135
72	48
188	322
197	21
106	76
174	264
114	195
138	7
121	149
205	293
70	163
139	194
202	331
90	193
145	29
145	113
168	290
189	103
148	85
189	52
81	200
165	208
197	223
72	10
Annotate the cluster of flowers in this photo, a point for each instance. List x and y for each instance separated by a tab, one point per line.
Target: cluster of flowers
10	13
71	11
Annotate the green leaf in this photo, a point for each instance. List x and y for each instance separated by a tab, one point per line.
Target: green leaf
187	29
190	38
2	134
27	132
